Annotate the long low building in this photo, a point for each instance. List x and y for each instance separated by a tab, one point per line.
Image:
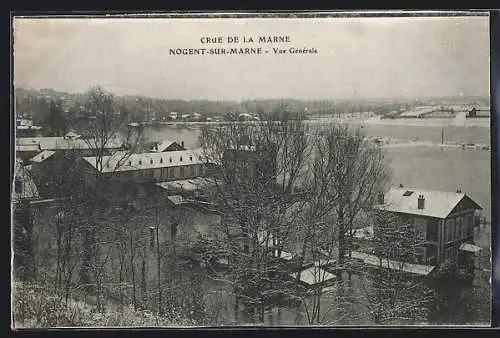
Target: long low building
146	167
27	147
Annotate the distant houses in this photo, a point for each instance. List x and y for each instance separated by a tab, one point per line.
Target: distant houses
26	128
27	147
167	145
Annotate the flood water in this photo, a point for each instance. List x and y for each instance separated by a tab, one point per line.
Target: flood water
425	167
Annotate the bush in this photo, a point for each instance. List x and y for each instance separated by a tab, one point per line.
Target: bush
39	306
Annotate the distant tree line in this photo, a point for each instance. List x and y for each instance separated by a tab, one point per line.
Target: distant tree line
46	106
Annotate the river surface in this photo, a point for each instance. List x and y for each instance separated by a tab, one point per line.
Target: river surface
417	166
423	167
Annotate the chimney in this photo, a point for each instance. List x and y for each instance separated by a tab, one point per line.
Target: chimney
380	198
459	191
421	201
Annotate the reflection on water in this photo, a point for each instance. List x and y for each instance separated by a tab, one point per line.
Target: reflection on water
425	167
453	134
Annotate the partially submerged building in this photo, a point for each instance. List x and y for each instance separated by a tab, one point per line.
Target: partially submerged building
444	221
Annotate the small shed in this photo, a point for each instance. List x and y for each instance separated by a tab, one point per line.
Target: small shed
314	277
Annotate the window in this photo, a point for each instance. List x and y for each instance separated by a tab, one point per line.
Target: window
170	159
152	237
140	162
171	173
180	159
408	193
191	170
448	230
18	186
458	228
470	225
190	158
157	173
448	253
151	162
182	171
463	228
161	160
420	227
129	163
431	253
432	230
420	254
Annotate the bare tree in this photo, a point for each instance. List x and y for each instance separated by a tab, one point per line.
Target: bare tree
356	172
392	293
258	168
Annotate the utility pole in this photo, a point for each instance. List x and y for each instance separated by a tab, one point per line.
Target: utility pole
442	135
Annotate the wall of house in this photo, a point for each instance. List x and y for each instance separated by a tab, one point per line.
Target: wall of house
114	248
158	174
458	228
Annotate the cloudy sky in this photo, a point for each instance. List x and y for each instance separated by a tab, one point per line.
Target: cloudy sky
357	57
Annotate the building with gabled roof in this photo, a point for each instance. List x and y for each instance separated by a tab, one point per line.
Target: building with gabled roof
146	167
24	185
443	220
167	145
29	146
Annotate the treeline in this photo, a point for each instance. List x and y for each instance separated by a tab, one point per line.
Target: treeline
37	104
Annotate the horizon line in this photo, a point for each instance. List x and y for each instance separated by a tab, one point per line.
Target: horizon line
402	98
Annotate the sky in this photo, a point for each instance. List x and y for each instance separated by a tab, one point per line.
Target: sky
356	57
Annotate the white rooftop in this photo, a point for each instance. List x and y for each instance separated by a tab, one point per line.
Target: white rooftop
30	147
437	203
284	255
373	260
314	275
43	156
364	233
187	185
470	247
59	143
161	146
34	140
124	162
176	199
